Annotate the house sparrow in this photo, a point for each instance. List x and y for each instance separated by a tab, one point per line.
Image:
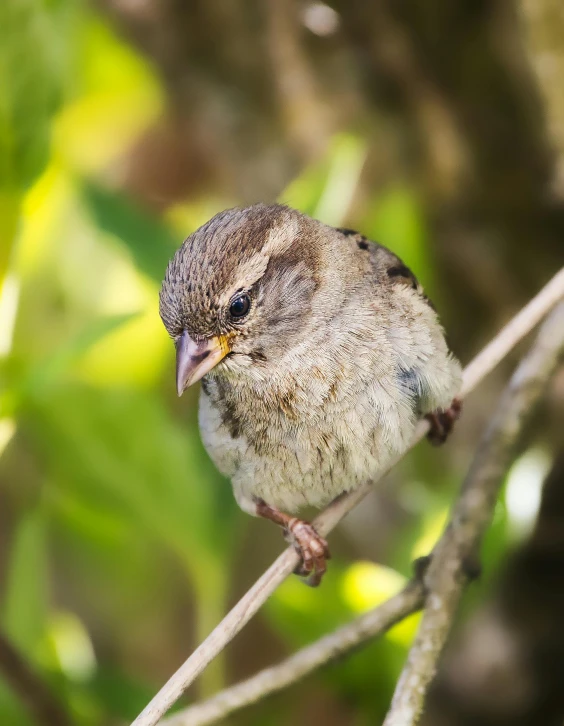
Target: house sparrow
318	352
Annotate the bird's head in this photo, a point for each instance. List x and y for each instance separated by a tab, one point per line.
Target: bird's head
239	292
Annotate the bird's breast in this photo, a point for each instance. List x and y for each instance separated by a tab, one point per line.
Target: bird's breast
301	447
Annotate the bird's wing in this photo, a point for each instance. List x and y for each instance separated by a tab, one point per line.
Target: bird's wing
387	263
429	381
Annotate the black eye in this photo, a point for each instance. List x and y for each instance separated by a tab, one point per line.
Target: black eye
240	306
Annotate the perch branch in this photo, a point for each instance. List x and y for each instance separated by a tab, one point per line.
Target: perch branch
359	631
314	656
447	575
248	605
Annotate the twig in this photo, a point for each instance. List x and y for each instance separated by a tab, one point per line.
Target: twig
248	605
34	694
447	573
360	630
321	653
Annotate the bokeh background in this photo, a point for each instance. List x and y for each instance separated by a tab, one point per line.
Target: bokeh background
434	127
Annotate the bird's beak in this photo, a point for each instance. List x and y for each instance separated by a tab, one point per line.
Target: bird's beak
196	358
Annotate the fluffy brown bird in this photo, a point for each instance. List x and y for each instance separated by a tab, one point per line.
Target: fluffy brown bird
318	351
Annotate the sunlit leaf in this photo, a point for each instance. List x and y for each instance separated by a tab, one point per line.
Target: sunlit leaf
523	490
148	239
302	613
133	354
433	526
123	451
7	430
51	369
24	607
395	219
367	584
326	189
30	81
30	85
118	96
72	645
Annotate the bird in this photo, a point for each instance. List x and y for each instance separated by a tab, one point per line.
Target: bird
318	352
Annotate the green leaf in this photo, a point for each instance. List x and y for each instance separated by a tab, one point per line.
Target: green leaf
147	238
25	601
53	368
326	189
119	693
30	90
12	710
30	80
10	206
121	450
396	221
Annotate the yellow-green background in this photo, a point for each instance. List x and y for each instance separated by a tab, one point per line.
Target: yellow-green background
120	546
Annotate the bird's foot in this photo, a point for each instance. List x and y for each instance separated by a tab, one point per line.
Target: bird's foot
442	422
311	547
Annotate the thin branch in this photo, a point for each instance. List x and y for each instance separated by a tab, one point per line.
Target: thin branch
355	633
33	692
248	605
447	575
305	661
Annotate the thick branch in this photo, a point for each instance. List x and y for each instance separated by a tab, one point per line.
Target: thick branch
446	576
244	610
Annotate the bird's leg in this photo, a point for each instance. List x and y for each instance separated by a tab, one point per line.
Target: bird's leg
312	548
442	422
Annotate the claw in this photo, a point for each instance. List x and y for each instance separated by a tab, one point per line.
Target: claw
312	548
442	422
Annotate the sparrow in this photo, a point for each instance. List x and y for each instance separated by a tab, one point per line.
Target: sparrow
318	352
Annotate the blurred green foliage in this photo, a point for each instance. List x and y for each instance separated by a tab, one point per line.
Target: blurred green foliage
31	85
123	545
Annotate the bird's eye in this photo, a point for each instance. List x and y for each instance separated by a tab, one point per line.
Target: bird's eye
240	306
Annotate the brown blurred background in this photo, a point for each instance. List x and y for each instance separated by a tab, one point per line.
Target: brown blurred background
435	128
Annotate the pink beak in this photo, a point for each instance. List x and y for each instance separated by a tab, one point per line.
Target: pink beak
196	358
